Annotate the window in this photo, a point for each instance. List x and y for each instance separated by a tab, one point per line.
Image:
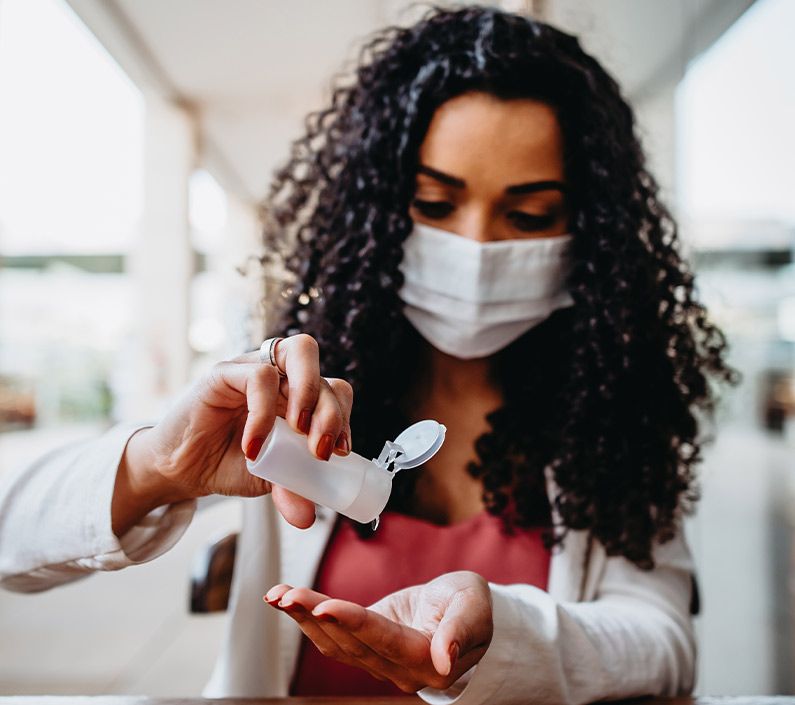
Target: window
71	132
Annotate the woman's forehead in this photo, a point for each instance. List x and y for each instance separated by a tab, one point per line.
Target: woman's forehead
477	135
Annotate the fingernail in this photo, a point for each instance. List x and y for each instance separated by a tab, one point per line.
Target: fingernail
272	603
326	618
342	443
292	607
271	599
325	446
254	446
453	653
305	420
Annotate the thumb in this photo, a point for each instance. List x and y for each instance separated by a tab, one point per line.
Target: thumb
464	632
297	510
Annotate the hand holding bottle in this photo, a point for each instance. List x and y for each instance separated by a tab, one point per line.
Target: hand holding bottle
200	446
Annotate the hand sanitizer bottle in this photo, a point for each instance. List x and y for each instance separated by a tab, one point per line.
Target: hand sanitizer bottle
350	484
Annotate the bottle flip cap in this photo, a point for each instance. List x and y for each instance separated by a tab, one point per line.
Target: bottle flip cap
414	446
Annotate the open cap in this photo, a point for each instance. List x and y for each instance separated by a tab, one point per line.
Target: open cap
418	444
414	446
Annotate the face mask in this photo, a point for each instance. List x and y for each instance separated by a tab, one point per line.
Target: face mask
471	299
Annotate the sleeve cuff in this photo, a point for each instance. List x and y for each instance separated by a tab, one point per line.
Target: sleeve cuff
155	534
482	682
61	505
151	537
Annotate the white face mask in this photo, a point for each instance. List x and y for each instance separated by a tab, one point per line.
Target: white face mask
471	299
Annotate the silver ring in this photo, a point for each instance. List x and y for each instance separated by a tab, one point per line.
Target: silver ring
266	355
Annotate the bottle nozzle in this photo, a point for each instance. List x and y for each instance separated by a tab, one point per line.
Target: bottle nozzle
389	454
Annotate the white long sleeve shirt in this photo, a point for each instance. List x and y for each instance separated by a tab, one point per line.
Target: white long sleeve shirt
603	629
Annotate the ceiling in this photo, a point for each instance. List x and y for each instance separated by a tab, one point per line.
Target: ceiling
250	70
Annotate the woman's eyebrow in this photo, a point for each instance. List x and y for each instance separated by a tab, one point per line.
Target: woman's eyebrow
453	181
529	187
533	186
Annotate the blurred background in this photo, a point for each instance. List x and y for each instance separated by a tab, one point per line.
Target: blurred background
137	139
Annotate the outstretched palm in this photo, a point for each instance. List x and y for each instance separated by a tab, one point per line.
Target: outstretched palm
425	635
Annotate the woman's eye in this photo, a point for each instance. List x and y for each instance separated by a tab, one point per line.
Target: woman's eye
433	209
530	223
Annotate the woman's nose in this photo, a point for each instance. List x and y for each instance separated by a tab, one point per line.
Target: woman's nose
477	227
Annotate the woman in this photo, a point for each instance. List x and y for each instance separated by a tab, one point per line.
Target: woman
474	238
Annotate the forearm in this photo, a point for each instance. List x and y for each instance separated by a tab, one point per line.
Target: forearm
634	637
55	516
574	653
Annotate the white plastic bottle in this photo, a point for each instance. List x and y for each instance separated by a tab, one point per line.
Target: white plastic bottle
350	484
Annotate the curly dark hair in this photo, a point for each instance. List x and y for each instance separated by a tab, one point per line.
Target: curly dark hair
609	394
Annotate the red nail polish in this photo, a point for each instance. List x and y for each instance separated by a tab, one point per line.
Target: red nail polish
326	618
342	442
305	420
254	446
453	652
325	446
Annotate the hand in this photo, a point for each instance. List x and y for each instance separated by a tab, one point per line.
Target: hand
199	448
426	635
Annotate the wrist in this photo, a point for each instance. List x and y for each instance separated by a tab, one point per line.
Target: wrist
140	487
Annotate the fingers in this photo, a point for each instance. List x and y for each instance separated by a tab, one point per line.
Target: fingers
259	384
362	654
464	632
328	423
297	603
275	594
334	640
393	641
295	509
262	389
384	648
343	392
403	653
317	407
299	357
